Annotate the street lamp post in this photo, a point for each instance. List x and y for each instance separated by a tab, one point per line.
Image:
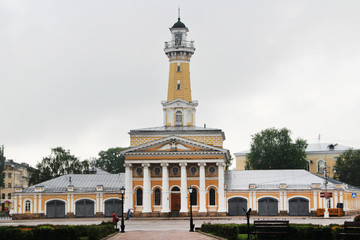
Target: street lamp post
330	147
122	191
190	189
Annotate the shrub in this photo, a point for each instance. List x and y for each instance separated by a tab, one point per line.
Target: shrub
228	231
44	232
357	218
243	228
15	233
296	231
58	232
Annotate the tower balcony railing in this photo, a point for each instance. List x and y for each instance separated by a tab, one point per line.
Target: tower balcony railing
183	44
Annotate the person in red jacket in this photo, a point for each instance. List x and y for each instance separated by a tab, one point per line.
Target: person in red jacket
115	219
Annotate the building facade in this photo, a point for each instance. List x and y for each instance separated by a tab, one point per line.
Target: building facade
16	175
163	162
318	155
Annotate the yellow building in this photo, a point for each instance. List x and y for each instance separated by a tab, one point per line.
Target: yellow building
163	162
317	154
16	175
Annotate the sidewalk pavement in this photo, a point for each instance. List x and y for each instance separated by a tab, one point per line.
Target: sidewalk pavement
160	235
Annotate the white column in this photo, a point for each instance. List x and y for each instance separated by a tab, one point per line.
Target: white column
221	190
97	206
332	202
281	201
72	204
320	201
202	207
147	190
315	201
35	204
101	203
20	205
341	197
184	203
335	199
15	205
254	202
285	202
128	187
68	203
165	188
41	210
250	200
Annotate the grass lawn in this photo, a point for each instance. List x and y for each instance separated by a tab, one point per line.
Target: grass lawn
242	236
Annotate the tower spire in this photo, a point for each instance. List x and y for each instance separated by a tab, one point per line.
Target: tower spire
179	13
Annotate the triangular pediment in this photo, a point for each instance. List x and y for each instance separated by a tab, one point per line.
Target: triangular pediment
174	144
179	103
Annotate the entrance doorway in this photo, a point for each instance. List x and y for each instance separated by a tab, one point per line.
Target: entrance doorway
175	199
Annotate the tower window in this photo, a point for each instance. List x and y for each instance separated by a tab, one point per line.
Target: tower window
178	69
178	87
178	37
178	118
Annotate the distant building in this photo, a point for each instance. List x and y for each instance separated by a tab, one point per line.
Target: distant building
16	175
316	155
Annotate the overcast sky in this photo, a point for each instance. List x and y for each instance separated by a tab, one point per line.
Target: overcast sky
81	74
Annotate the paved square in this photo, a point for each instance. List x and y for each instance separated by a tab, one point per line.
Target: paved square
160	235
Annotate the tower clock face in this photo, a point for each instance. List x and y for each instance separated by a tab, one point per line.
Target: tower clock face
178	37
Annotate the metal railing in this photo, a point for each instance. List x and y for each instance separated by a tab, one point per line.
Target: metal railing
183	44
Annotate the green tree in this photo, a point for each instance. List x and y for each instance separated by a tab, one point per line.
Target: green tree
228	162
274	149
347	167
2	167
59	162
111	160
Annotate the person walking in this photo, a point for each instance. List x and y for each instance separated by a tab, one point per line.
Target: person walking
115	219
128	214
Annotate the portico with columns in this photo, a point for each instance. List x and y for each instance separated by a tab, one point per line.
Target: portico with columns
159	173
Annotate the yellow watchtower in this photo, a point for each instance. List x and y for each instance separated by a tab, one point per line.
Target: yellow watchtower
179	109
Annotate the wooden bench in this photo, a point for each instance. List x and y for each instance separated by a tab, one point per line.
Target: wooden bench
332	212
351	230
271	227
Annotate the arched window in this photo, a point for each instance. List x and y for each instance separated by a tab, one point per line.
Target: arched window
139	197
212	196
157	196
194	197
320	166
178	118
27	206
